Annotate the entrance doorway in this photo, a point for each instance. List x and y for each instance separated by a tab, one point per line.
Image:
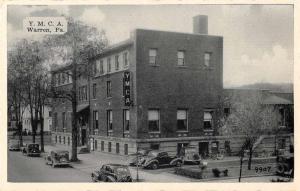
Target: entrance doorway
181	148
203	149
83	136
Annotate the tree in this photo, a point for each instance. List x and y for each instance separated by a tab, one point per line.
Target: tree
250	119
27	70
15	99
83	41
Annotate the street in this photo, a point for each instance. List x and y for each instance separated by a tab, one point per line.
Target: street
33	169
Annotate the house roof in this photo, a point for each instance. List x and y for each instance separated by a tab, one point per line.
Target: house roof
275	100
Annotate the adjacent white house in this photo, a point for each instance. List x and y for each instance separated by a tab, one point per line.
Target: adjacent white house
47	120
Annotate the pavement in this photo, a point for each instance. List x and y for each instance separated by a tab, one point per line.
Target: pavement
33	169
90	161
21	168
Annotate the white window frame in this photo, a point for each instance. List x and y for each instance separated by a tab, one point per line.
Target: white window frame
207	59
186	118
158	116
181	56
153	54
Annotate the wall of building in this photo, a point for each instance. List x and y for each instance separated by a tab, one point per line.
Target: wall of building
168	87
115	103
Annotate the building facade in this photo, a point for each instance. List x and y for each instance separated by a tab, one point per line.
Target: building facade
157	90
26	122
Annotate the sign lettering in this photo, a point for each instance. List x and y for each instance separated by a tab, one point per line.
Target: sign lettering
126	86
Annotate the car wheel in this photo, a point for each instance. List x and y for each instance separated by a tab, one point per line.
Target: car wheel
110	179
154	166
94	178
178	163
53	164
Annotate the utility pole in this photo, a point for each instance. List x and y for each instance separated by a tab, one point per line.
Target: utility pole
137	165
241	165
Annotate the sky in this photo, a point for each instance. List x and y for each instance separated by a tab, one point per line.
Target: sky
258	39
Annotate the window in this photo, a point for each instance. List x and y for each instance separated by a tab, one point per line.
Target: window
109	146
85	92
50	114
109	120
117	148
62	78
55	121
126	119
63	120
98	63
154	146
207	58
58	78
282	117
70	76
68	140
59	139
108	64
153	120
125	59
101	67
152	56
108	88
117	64
64	140
208	119
182	120
226	111
102	145
125	149
96	144
281	144
95	120
227	148
180	58
94	91
94	69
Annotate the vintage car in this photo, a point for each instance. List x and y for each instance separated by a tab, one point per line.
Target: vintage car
31	149
138	156
57	158
189	155
285	165
155	159
112	173
14	145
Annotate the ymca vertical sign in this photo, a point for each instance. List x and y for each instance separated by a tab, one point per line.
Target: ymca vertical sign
126	88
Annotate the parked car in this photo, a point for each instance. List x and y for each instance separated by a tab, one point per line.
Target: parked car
14	145
285	165
112	173
189	155
31	149
155	159
138	157
57	158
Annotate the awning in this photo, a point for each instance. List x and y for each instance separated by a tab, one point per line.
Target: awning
82	107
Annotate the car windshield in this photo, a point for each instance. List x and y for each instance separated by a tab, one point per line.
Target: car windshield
153	153
121	170
36	146
62	152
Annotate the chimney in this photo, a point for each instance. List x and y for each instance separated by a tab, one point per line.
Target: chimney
200	23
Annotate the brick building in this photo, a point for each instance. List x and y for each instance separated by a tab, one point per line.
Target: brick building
156	90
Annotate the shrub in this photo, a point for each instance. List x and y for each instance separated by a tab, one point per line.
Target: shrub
193	173
216	172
